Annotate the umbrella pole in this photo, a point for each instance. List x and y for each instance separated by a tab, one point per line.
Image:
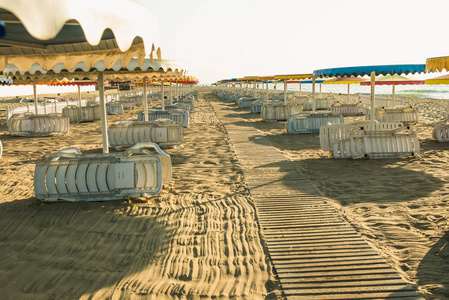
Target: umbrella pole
373	99
171	98
254	88
267	91
35	98
162	95
118	91
320	88
104	120
313	94
300	86
285	91
79	95
392	97
348	93
145	100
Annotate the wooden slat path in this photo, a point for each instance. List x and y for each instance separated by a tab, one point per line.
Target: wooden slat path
316	253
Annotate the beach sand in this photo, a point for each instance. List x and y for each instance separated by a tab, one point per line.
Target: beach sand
400	206
200	238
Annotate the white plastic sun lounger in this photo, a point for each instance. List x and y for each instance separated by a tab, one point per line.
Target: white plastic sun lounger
114	108
70	175
178	115
311	122
164	132
378	144
407	115
78	114
441	133
128	103
349	109
278	111
331	134
29	124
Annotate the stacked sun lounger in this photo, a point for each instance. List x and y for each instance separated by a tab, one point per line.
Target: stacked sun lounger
77	114
164	132
114	108
278	111
69	175
305	122
29	124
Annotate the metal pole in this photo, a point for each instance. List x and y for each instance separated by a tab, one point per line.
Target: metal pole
171	96
35	98
104	120
118	91
79	95
267	90
373	99
348	93
162	95
285	91
392	97
145	99
300	86
313	94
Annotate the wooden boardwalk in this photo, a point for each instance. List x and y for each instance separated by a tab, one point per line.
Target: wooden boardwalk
316	253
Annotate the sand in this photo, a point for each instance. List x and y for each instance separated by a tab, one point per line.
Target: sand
200	238
400	206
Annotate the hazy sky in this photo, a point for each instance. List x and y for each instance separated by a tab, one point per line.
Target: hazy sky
236	38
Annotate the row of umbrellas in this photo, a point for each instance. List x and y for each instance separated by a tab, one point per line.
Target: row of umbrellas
391	75
75	41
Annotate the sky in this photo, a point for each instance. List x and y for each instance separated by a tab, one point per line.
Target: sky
236	38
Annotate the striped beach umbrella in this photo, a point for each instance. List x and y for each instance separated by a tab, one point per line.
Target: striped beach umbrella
291	78
373	71
394	80
345	80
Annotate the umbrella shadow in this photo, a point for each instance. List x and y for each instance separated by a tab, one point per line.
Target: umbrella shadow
358	181
69	250
83	249
434	267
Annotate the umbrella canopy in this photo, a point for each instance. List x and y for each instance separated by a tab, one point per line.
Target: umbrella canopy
394	80
43	35
437	64
73	82
132	71
290	77
64	31
5	81
368	70
438	80
373	71
345	80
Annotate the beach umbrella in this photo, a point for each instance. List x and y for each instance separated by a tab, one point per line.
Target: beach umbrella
373	71
5	80
62	34
345	80
394	80
438	80
264	79
290	77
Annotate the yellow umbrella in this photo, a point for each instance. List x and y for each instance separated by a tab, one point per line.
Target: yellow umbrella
345	80
291	77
